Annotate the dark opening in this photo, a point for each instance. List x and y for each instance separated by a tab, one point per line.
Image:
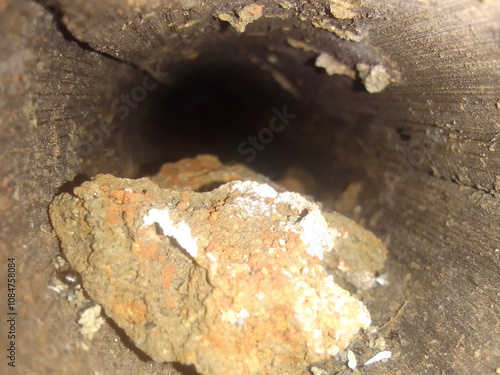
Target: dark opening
223	108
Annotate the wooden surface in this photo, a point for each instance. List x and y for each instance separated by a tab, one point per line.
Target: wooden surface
426	151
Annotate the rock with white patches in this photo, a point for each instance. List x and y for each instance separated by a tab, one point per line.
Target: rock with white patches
229	280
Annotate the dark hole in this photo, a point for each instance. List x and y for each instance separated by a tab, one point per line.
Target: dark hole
403	135
218	107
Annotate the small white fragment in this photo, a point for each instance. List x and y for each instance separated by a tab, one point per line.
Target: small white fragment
213	262
77	298
382	279
351	360
212	258
333	66
288	274
58	286
316	234
59	262
53	288
301	45
285	83
235	318
91	321
386	354
180	231
262	190
375	79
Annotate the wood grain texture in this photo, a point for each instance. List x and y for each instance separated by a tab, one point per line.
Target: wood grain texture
426	150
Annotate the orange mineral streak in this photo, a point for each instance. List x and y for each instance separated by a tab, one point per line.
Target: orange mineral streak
256	10
182	205
127	199
177	175
232	252
129	214
170	304
221	341
104	186
167	274
113	216
146	250
118	195
258	260
186	196
133	311
293	241
212	245
270	239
